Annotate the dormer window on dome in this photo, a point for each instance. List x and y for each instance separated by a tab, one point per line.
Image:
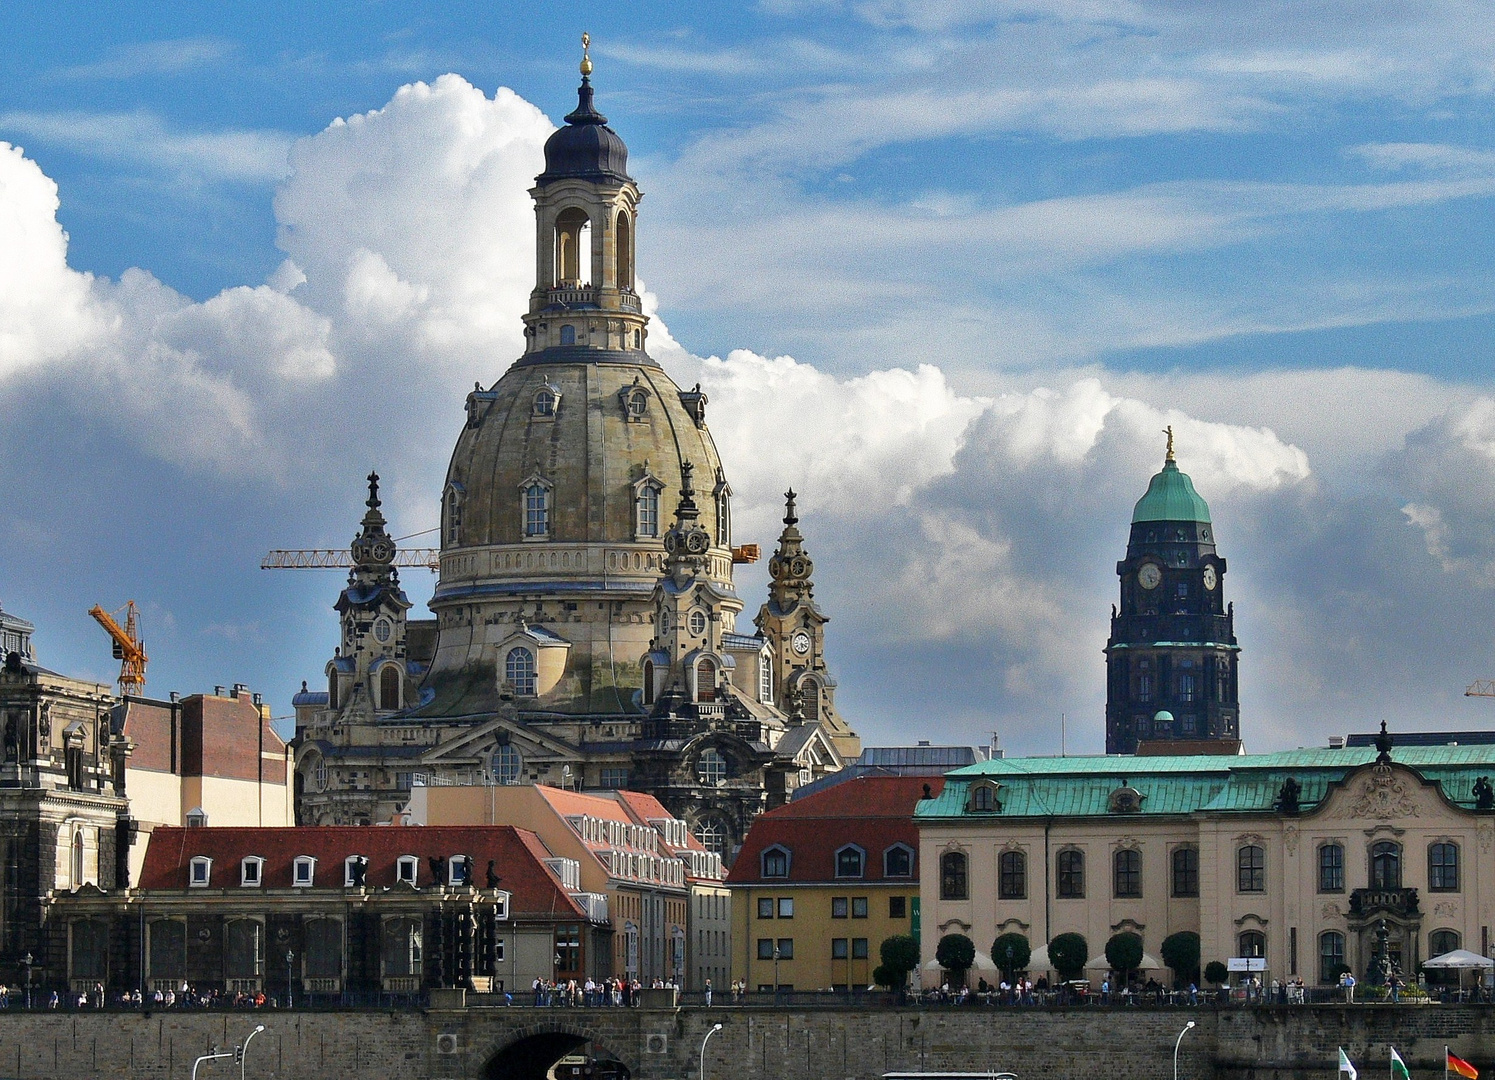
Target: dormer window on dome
534	502
547	401
635	400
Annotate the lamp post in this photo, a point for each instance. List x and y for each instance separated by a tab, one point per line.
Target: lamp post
707	1039
776	970
290	994
1181	1035
26	962
243	1051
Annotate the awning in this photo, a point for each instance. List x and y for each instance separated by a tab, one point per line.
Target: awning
1149	963
1461	959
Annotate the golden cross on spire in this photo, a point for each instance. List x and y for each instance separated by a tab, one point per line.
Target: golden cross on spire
586	56
1169	432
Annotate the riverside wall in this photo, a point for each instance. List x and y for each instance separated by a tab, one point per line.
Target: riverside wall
1268	1043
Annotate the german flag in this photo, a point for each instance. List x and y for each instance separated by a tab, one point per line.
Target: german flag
1459	1067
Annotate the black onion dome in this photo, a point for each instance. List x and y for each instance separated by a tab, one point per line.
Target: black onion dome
585	147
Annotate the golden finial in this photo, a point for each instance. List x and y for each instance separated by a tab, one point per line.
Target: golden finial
1169	432
586	58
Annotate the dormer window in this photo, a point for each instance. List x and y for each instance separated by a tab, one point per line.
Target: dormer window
199	872
197	818
456	870
355	870
776	862
519	669
501	905
635	401
303	871
898	861
983	798
547	400
407	868
252	872
849	861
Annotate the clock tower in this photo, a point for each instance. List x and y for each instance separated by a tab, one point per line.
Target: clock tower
1171	660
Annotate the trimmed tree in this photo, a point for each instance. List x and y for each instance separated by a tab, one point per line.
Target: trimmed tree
1011	953
1124	954
956	953
1216	973
900	955
1068	953
1181	953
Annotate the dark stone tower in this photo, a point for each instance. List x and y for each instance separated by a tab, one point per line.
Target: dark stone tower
1171	660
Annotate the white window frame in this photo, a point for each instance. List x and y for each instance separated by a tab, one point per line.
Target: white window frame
501	906
413	862
452	863
534	674
547	508
765	676
258	865
348	871
206	865
648	488
308	861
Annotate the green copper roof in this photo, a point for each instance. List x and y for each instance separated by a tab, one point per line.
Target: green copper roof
1171	497
1081	787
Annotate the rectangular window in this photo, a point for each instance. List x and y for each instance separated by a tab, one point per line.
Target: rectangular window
1331	868
1251	869
1443	868
858	907
1186	724
1144	687
615	779
786	948
1186	688
897	907
765	907
859	948
1186	871
765	948
1071	875
839	948
839	907
786	907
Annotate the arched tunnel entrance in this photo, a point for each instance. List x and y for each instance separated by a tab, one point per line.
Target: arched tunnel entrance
555	1055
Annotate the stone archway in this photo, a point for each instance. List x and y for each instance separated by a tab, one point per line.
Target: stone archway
531	1057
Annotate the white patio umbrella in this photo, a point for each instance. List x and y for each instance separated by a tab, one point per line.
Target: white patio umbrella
1149	963
1039	960
1460	959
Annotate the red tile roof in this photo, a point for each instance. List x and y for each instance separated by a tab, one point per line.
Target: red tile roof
872	812
517	856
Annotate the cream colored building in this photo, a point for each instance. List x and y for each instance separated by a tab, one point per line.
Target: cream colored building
1294	857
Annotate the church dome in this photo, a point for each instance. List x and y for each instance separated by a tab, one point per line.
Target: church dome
1171	497
585	147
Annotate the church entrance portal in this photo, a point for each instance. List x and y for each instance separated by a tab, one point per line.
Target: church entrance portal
560	1055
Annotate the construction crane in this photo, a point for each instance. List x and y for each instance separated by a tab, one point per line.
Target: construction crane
342	558
1481	688
128	648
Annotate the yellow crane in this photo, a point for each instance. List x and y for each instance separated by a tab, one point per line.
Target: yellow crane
1480	688
128	648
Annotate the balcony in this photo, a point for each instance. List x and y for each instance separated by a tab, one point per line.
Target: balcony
1370	903
573	296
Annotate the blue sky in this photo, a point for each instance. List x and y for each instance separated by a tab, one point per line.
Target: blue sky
983	251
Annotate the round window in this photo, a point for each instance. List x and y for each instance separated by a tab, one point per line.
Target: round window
697	622
383	629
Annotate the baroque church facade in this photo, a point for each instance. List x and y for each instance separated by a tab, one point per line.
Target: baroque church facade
587	632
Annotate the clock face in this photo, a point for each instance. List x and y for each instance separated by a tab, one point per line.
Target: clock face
382	551
697	542
800	642
1211	579
1149	576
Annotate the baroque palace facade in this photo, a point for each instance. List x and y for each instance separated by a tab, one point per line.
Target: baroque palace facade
581	638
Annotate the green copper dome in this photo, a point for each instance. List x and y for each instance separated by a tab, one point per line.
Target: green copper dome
1171	497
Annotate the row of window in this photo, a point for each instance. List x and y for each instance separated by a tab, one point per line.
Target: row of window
536	503
304	870
850	861
841	948
842	907
1251	871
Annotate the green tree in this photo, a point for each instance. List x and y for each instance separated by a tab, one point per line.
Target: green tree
1011	952
1216	973
1181	953
956	953
1124	953
1068	953
900	955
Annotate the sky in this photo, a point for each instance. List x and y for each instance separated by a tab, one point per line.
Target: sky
948	269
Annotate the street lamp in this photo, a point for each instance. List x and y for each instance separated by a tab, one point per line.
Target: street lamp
707	1039
1181	1035
290	994
776	970
26	960
243	1051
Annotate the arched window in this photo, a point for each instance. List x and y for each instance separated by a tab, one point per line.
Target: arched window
638	339
1251	868
573	234
519	669
536	510
953	876
625	251
1186	871
568	334
1012	875
849	861
646	510
319	774
1385	865
246	949
637	403
711	767
452	516
1443	868
77	858
402	954
712	836
389	686
506	764
983	798
1127	865
1331	868
898	862
1331	956
723	495
1071	866
1252	943
1442	941
705	679
332	690
545	398
765	677
648	682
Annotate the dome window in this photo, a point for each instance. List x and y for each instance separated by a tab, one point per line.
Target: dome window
506	764
389	687
635	401
648	682
625	251
638	339
535	504
568	334
548	398
451	514
723	496
706	681
646	492
519	670
698	622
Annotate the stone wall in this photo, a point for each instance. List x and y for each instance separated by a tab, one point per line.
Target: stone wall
754	1044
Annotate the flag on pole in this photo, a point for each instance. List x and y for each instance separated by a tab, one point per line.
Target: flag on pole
1398	1067
1345	1068
1461	1067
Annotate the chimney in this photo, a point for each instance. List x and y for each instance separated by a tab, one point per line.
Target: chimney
175	697
217	691
1336	742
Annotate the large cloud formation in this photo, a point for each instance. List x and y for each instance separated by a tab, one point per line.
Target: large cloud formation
965	544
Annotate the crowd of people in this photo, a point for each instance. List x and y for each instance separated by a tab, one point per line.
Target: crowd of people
614	991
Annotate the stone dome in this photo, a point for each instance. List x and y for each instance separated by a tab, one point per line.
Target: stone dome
585	147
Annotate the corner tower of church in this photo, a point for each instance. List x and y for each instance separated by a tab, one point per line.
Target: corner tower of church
1172	657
